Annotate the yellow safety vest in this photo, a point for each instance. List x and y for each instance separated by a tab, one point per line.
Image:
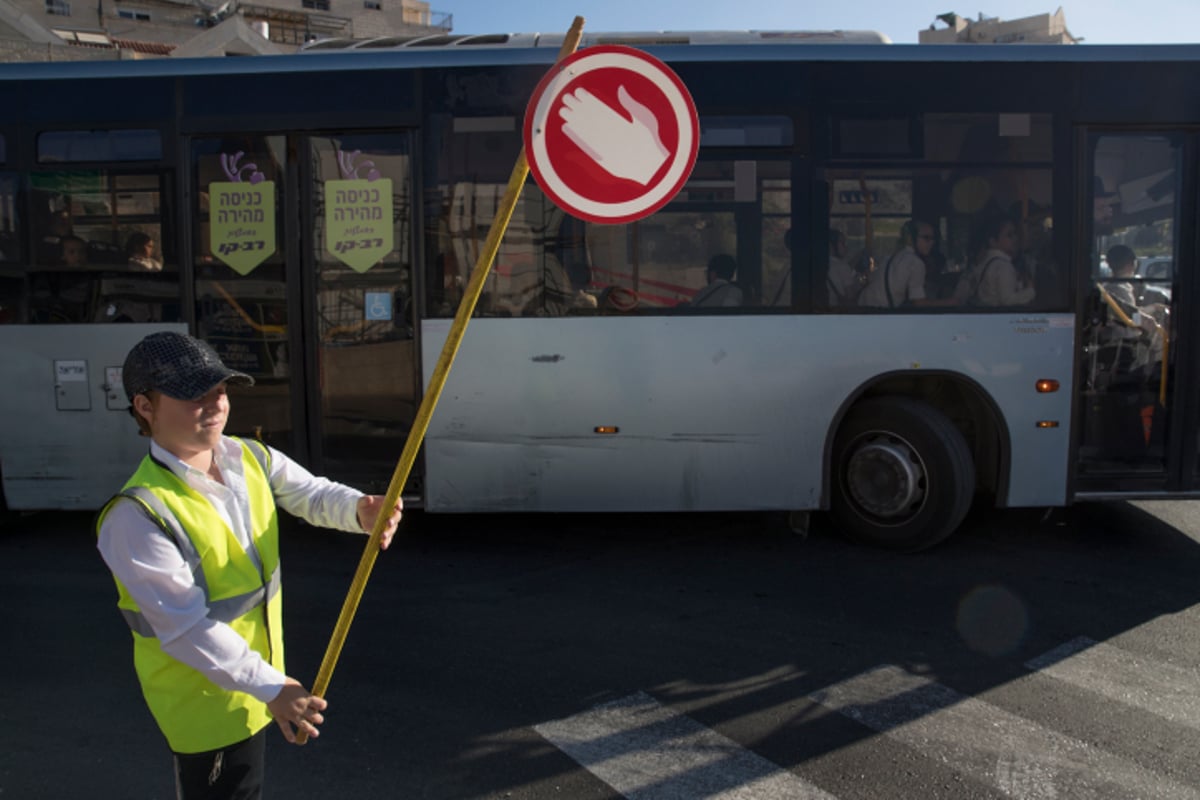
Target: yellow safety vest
194	713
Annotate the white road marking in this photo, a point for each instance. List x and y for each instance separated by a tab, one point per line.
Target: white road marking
647	752
985	743
1164	689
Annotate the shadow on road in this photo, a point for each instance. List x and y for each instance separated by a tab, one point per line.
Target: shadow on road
474	629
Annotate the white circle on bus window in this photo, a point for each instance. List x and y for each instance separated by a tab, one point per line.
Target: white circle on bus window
611	134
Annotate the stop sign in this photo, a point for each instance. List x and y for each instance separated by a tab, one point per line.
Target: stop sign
611	134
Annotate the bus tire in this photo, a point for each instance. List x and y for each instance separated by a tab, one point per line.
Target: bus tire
903	477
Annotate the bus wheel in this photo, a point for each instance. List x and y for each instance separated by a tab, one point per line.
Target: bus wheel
903	477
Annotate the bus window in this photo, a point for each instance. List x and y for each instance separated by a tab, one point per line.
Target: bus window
103	145
969	226
959	138
241	288
987	138
552	264
965	238
735	211
98	249
540	268
663	259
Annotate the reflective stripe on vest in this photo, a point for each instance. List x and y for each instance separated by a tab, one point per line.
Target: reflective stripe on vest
226	610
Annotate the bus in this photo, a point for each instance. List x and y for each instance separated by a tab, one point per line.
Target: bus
316	216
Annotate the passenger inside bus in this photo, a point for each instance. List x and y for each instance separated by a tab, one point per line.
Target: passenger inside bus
1133	331
139	250
901	280
721	291
1123	263
993	279
940	281
74	252
843	281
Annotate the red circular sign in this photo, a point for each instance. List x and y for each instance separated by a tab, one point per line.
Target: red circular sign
611	134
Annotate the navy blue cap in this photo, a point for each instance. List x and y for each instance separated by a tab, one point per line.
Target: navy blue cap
178	365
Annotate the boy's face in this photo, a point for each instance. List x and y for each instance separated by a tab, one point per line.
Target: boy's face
74	253
186	427
924	243
1006	240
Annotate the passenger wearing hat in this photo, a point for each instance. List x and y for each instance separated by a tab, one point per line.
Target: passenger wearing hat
192	542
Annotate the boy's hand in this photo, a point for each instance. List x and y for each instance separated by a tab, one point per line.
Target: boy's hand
369	508
296	706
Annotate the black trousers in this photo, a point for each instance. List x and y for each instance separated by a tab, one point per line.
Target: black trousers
231	773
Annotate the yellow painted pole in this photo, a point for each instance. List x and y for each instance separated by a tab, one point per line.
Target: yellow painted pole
429	402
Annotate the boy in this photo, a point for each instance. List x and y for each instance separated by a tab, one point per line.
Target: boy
192	542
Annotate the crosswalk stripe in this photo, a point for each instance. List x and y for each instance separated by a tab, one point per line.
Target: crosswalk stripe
1018	757
647	752
1164	689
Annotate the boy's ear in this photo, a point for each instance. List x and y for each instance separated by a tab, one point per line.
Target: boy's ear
142	405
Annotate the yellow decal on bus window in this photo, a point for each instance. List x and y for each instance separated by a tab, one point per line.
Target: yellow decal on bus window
358	221
242	223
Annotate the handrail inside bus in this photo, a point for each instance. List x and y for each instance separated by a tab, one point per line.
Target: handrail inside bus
249	320
1116	307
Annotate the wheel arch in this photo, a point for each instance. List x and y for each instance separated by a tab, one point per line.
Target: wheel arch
962	399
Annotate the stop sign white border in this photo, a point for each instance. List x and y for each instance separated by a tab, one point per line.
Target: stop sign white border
686	122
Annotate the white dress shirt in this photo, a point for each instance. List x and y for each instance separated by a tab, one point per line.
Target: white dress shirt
903	274
718	294
999	283
151	567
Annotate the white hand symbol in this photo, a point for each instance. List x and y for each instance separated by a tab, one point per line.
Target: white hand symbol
626	148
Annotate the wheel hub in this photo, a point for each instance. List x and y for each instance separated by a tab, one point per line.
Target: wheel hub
886	478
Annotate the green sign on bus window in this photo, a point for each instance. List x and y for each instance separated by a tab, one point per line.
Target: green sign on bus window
242	223
358	221
68	182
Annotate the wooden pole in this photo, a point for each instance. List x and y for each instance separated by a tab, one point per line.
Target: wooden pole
429	401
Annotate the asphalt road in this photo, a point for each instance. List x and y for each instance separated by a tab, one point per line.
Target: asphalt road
656	657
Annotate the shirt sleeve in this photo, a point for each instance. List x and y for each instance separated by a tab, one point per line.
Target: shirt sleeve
153	571
318	501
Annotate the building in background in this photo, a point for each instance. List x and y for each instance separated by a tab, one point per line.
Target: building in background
1038	29
69	30
80	30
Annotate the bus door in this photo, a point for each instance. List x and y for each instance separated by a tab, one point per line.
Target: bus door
1135	425
356	212
245	284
